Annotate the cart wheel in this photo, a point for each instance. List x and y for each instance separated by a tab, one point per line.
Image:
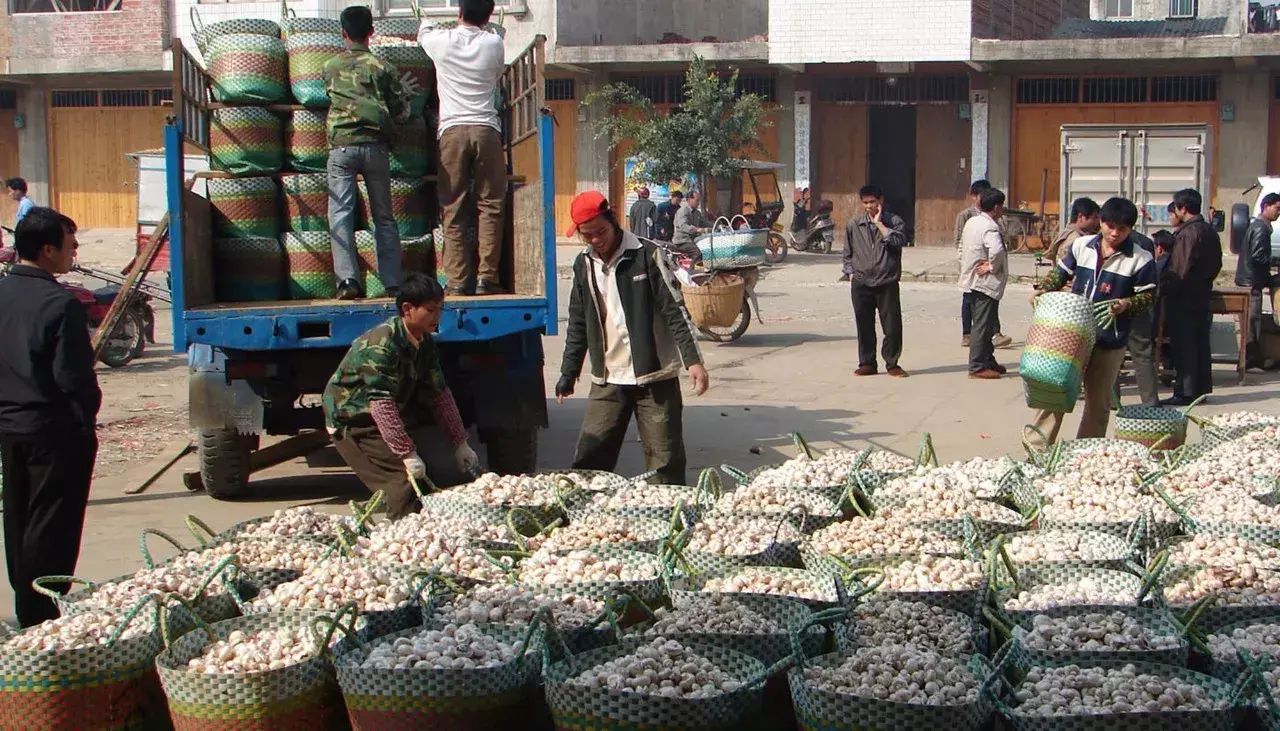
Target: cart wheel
734	331
775	252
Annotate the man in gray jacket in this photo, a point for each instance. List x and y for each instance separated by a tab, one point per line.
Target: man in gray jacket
1253	270
873	261
689	224
984	272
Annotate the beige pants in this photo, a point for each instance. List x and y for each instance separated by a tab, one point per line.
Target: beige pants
472	153
1099	379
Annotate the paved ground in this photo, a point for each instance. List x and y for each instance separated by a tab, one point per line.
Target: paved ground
790	373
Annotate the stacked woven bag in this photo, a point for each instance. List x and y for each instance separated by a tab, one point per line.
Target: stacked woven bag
278	159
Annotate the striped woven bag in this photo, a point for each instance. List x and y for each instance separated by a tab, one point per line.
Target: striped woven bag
411	149
308	53
252	26
306	202
1059	344
310	256
406	28
414	257
248	68
411	60
248	270
408	205
306	141
419	256
245	207
293	24
246	141
470	238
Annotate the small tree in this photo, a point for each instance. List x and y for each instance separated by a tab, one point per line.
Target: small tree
713	127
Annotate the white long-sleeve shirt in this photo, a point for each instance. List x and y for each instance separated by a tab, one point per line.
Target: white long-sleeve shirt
469	63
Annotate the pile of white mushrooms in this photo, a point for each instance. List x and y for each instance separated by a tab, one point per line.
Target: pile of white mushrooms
254	651
453	647
331	584
663	667
1079	691
898	673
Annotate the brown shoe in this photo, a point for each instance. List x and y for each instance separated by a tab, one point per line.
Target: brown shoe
1001	341
986	374
1000	369
488	289
865	370
897	372
458	292
964	341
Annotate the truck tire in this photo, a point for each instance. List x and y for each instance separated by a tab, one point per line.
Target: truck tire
1240	220
224	462
512	451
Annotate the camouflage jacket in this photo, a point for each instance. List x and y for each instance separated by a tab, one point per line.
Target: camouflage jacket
365	96
383	364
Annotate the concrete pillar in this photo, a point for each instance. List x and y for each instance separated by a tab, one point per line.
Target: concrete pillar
33	143
593	149
979	123
999	132
1242	143
790	131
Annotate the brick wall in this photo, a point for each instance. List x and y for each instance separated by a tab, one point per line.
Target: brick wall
821	31
1023	20
137	34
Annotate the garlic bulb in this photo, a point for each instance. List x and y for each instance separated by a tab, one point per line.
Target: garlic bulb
1076	691
298	522
264	553
1243	585
871	536
76	632
900	674
125	594
601	530
643	496
255	651
1255	639
330	584
828	470
756	581
1235	419
537	490
735	535
764	499
895	622
880	460
660	668
713	614
455	647
943	506
933	573
417	540
575	567
1234	467
1095	631
515	605
1227	550
1056	546
1083	592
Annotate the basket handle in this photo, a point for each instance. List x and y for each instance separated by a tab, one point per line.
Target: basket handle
642	477
1151	577
147	560
346	540
231	563
797	632
133	613
738	475
877	578
1194	636
39	584
196	526
791	512
802	445
999	622
927	456
1137	535
709	483
1253	674
728	224
198	30
324	635
1186	410
1036	456
364	512
516	536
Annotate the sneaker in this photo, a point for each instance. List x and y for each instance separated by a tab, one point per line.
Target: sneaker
457	292
348	289
964	341
986	374
897	372
486	289
865	370
1001	341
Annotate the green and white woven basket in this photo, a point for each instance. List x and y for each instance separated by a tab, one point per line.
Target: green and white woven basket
768	648
306	202
412	60
245	208
310	265
411	149
248	68
1153	620
308	53
247	141
252	26
409	206
1144	592
249	270
646	590
306	141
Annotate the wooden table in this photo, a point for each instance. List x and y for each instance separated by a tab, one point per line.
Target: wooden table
1234	301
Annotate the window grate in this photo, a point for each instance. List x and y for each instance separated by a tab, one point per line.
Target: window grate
1276	91
1114	90
1184	89
1183	8
74	99
160	97
1048	91
125	98
657	89
8	99
763	85
894	90
561	90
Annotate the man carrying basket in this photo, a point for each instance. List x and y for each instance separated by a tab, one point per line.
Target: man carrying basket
1106	268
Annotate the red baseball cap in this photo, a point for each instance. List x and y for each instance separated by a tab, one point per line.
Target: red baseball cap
586	207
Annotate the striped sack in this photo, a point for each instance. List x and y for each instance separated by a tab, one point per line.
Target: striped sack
246	141
411	60
293	24
408	206
204	33
1059	344
248	69
244	207
306	202
470	238
306	141
406	28
310	255
308	53
411	149
414	258
248	270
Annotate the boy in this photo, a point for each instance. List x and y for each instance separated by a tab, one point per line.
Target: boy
469	63
364	97
17	189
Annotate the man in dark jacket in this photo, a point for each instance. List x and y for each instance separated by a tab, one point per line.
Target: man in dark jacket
49	401
1188	285
873	261
624	315
1253	270
664	222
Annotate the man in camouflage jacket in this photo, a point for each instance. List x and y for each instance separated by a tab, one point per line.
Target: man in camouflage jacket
365	100
390	375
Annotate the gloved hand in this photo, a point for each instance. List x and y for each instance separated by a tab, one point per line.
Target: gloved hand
416	468
466	457
564	388
410	83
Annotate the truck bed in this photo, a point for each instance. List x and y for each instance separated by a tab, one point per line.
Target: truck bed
501	300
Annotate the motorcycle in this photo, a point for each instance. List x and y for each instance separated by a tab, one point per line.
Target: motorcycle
816	231
685	273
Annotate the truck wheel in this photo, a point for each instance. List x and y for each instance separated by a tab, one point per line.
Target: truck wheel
1240	220
512	451
224	462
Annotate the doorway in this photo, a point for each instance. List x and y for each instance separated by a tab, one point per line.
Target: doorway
892	160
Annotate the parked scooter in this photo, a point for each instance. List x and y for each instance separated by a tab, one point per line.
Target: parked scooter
812	230
685	273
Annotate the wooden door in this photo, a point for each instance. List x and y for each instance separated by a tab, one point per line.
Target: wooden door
943	140
840	159
92	180
8	166
1273	136
566	115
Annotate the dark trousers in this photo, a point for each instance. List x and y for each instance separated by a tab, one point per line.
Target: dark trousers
986	319
658	410
966	313
1189	321
1253	352
368	455
46	492
1142	350
867	301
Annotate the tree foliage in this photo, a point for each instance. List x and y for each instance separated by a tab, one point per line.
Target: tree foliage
712	128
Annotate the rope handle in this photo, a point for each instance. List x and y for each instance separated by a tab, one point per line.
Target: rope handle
877	574
198	30
133	613
927	456
861	459
516	536
495	558
642	477
787	516
1151	576
346	540
1186	410
228	563
1254	674
802	446
196	526
324	636
1136	536
999	622
1194	637
738	475
147	560
364	512
1194	612
539	617
39	585
798	631
193	615
1035	455
716	227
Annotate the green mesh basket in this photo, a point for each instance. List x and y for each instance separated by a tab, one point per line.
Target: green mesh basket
768	648
411	149
308	53
306	141
306	202
253	26
248	68
408	206
245	207
1155	621
246	141
1143	591
293	24
310	256
411	60
406	28
646	590
249	270
1217	610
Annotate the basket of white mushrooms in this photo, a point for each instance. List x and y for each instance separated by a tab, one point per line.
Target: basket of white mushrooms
264	562
826	473
303	521
1130	634
953	583
641	499
1026	592
875	622
1082	548
602	573
817	590
386	597
719	543
492	496
420	541
753	625
837	547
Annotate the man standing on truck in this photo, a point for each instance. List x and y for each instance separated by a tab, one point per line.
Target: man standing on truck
364	97
1188	284
623	315
1253	270
387	379
49	399
469	61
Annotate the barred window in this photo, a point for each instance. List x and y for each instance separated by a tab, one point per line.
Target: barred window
561	90
1048	91
1184	88
763	85
1114	90
657	89
126	98
895	89
1117	90
8	99
74	99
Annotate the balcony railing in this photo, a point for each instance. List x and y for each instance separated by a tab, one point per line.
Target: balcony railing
1263	18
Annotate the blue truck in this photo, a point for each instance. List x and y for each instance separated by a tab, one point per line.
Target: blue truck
256	368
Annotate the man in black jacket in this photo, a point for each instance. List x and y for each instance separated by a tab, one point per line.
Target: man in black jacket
873	261
624	315
49	401
1188	285
1253	270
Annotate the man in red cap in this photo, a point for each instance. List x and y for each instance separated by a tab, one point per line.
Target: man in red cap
625	317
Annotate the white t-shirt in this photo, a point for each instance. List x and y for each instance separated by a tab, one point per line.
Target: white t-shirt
469	63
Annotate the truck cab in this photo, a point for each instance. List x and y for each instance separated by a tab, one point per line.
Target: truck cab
257	368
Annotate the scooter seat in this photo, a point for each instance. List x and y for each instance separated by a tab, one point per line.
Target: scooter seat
106	295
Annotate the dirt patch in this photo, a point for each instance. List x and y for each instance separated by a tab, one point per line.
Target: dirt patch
137	438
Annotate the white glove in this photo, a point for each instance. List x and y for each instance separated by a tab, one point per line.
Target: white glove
466	457
416	468
410	83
